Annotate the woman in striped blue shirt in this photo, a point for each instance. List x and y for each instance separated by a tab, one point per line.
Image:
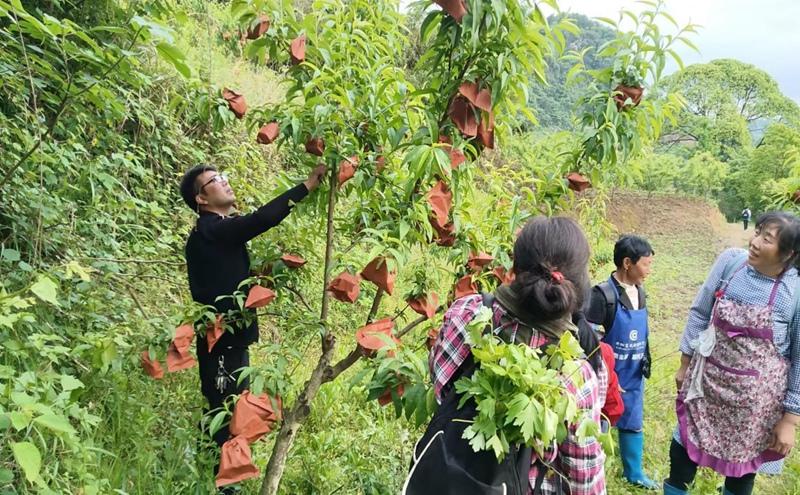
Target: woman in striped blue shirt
738	402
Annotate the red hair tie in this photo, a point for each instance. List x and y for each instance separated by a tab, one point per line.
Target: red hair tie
557	276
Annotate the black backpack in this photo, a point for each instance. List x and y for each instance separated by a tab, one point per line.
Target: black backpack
445	464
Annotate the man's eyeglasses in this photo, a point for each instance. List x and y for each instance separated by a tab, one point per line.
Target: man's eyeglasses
216	178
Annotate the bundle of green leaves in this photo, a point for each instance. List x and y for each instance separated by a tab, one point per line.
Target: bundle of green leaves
520	392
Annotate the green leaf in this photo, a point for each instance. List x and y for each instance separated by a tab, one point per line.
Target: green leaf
587	428
404	228
70	383
429	23
6	476
607	441
608	21
497	447
55	422
154	29
28	458
19	420
175	57
549	426
74	268
216	423
689	44
11	255
669	18
477	325
45	289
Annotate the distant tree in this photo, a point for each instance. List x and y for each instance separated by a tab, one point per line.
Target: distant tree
753	174
723	98
702	175
657	171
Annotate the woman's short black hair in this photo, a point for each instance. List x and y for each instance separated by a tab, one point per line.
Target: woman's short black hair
633	247
189	184
788	231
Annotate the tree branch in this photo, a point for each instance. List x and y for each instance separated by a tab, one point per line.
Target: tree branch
376	302
332	181
302	406
411	326
137	261
299	296
333	371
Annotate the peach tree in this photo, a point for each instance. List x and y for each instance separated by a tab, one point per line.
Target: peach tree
406	199
400	145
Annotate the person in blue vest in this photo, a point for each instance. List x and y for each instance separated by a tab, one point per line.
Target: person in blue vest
617	309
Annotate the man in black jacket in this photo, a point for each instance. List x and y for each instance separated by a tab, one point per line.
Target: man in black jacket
217	262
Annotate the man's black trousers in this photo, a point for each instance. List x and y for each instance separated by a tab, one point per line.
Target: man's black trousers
221	362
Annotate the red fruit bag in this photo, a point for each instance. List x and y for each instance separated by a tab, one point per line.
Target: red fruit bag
214	332
179	356
236	102
151	366
345	287
258	297
377	272
465	286
235	463
425	305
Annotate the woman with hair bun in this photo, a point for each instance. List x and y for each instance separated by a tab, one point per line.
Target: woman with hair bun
551	258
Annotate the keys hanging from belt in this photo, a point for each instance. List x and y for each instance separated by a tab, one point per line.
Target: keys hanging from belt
223	379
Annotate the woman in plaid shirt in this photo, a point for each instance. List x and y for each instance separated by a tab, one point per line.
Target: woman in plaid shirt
551	266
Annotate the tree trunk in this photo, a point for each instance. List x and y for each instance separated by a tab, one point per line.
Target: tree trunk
302	406
294	419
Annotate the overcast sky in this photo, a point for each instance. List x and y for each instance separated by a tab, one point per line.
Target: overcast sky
764	33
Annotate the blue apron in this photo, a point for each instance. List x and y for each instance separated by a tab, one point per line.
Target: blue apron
628	339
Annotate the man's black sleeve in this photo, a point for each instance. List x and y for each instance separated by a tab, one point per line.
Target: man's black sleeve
596	308
241	229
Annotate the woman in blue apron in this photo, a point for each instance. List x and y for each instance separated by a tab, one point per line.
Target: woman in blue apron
618	305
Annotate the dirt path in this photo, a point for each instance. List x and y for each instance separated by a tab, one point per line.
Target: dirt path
733	235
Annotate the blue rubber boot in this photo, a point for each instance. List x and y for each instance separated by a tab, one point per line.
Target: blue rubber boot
671	490
631	447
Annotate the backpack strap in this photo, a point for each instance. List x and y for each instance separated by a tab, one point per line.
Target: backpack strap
611	300
732	265
469	365
487	299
